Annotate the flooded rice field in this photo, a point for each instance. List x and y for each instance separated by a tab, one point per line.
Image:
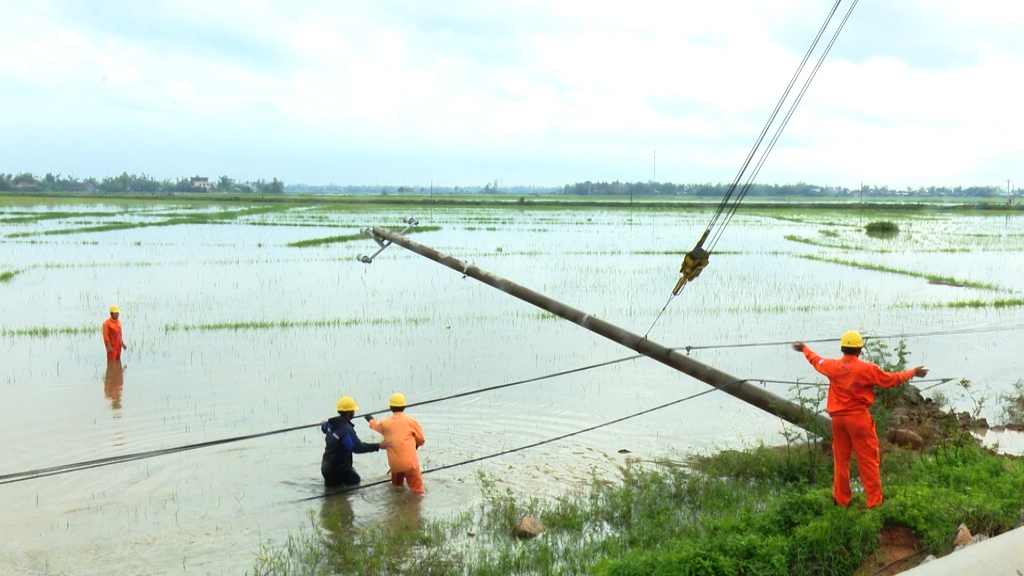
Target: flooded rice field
232	331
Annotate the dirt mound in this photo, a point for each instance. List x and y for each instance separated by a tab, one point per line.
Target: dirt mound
897	551
925	418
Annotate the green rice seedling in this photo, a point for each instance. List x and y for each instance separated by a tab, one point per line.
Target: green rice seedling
1001	303
812	242
192	218
933	279
45	332
327	240
286	324
9	275
39	217
348	238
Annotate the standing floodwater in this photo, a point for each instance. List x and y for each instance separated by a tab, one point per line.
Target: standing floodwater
233	332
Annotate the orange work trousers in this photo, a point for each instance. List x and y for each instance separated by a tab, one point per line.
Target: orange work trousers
413	477
855	432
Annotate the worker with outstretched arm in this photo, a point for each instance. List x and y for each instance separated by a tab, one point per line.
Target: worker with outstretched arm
406	436
851	392
341	441
113	338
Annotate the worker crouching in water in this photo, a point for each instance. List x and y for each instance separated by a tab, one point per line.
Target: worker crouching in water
342	441
405	436
851	392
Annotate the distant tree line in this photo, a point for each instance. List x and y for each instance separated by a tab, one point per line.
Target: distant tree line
488	188
800	189
142	183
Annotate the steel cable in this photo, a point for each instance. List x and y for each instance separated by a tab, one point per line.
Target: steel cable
540	443
73	467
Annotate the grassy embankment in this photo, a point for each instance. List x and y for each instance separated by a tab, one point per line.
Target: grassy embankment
764	511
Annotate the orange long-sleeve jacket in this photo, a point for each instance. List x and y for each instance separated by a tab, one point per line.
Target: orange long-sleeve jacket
112	335
852	381
406	436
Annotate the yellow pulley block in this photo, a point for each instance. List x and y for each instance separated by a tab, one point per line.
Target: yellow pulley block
693	264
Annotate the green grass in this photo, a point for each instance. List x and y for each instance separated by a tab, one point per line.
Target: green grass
285	324
38	217
763	511
9	275
1001	303
812	242
882	227
769	206
220	217
327	240
45	332
879	268
350	238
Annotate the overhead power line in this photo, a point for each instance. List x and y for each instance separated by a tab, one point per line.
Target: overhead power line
99	462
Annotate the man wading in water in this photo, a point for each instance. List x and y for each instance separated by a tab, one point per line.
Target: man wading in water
342	441
406	436
113	338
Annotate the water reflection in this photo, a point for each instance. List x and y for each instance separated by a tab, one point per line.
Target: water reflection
113	385
401	513
336	514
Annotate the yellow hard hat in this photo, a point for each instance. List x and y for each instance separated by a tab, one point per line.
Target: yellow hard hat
851	339
347	404
114	309
397	400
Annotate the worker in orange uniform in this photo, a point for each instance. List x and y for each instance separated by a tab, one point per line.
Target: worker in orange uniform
112	335
851	392
406	437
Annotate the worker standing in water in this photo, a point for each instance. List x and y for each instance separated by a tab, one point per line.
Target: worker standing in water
341	441
406	436
113	338
851	392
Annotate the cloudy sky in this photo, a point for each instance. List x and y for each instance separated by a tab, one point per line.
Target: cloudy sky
914	92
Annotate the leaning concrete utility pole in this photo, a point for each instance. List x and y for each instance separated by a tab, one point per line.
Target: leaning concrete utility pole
776	405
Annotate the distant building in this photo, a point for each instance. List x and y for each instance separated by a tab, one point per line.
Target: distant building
26	185
201	182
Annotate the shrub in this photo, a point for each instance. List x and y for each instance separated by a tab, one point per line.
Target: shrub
882	227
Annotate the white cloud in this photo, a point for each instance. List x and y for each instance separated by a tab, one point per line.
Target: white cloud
552	93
